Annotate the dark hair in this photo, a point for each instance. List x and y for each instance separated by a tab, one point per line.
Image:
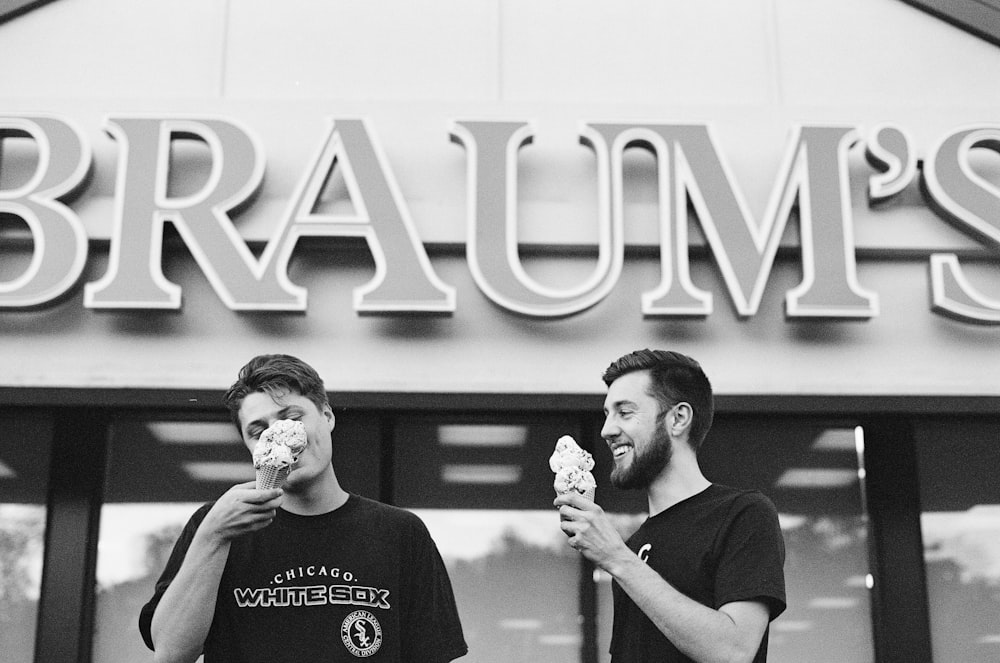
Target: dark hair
673	377
275	375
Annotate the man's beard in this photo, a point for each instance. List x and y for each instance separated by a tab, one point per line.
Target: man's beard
647	464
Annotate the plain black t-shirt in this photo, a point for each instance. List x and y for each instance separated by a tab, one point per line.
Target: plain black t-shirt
718	546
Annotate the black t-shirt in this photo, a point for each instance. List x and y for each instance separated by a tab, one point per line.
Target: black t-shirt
719	546
364	581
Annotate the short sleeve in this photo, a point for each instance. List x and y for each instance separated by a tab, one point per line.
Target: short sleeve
432	629
752	556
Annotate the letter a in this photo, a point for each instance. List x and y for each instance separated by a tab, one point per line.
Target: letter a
404	280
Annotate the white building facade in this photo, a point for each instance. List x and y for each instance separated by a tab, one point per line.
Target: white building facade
460	214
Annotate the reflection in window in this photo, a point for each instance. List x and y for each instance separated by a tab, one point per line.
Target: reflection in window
515	581
134	544
22	531
484	489
24	472
960	522
159	473
468	463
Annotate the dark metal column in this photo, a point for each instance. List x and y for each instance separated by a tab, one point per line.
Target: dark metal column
76	484
899	597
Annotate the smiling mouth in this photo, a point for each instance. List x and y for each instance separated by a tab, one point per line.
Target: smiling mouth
621	450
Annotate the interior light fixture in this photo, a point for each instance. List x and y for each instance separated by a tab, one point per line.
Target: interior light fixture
818	477
788	521
835	439
560	639
859	581
520	624
833	603
219	471
193	432
6	472
482	435
481	474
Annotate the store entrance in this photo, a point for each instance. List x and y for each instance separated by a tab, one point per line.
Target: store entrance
848	488
482	485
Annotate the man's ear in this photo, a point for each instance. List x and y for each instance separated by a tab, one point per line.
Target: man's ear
681	417
331	420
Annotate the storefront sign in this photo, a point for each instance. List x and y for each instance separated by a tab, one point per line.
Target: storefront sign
813	181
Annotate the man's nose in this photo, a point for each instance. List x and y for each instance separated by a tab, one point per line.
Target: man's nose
610	429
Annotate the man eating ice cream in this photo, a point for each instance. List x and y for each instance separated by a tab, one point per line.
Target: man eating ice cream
307	571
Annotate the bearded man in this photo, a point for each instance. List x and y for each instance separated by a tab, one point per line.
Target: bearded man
702	578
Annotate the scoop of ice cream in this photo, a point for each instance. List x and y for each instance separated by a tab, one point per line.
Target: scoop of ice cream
281	444
572	466
574	478
569	454
290	433
275	456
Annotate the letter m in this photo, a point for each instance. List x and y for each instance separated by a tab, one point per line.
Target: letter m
692	175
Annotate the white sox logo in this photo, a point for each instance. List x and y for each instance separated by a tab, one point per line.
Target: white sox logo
361	633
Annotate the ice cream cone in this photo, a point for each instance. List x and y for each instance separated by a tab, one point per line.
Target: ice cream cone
587	494
269	476
572	466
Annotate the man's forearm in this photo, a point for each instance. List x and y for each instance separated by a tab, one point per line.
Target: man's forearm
184	614
702	633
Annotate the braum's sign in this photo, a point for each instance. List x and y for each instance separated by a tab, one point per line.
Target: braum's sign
813	179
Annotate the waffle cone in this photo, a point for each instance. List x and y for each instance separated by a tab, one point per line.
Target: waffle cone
269	476
588	494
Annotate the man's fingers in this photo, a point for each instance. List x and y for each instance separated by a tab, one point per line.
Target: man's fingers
570	512
576	501
567	499
570	527
254	520
255	496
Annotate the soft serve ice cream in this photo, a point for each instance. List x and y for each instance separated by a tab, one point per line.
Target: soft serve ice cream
572	466
277	450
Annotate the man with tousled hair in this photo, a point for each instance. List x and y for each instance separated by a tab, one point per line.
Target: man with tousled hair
305	572
701	579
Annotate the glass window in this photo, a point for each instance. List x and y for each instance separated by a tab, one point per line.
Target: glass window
958	462
484	489
135	541
159	472
812	474
25	448
516	582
